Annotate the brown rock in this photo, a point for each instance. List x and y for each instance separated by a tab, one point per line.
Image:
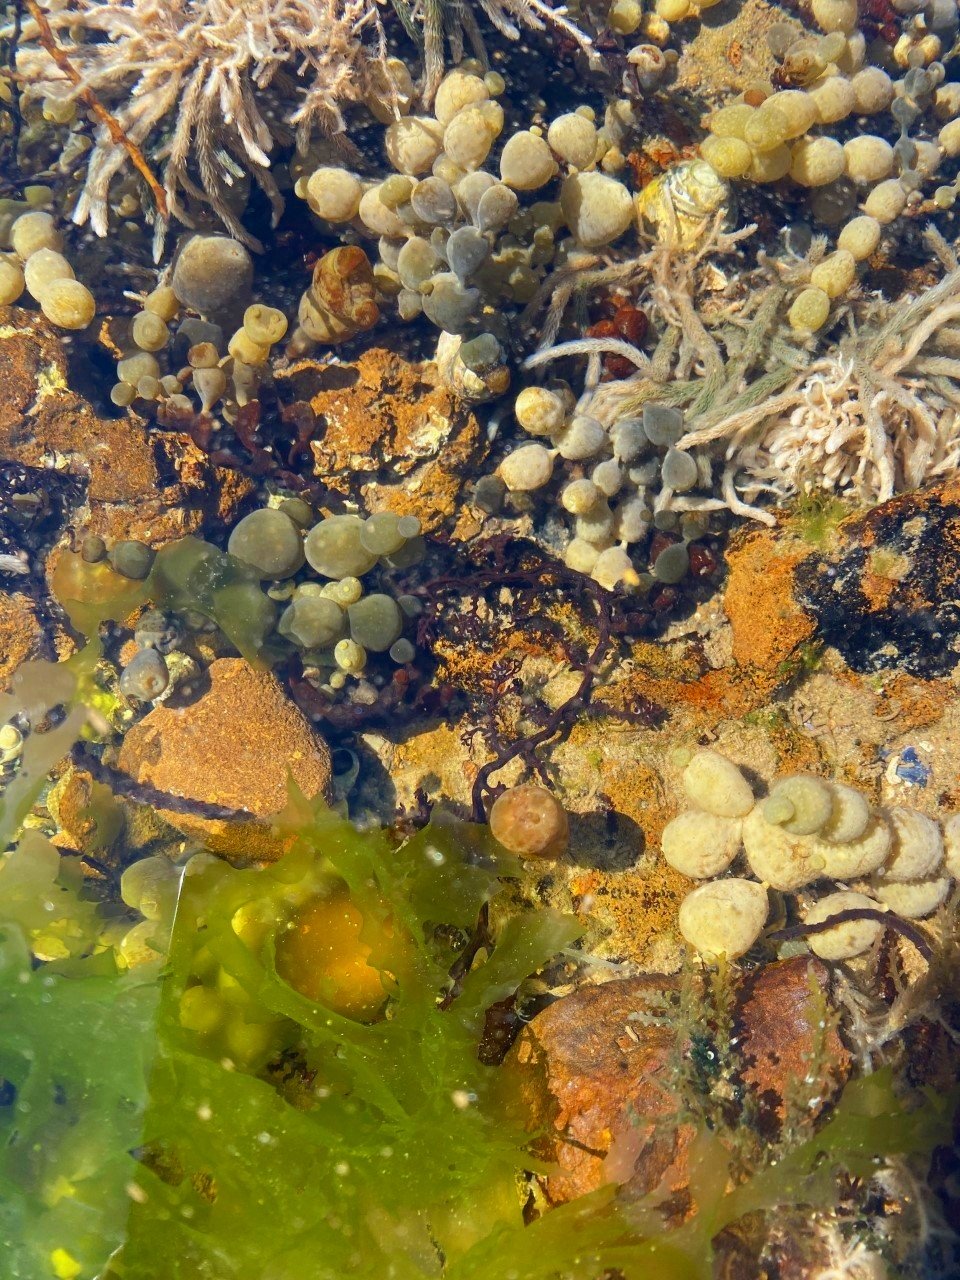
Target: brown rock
141	484
392	435
21	633
91	819
776	1033
43	417
26	353
602	1076
234	747
589	1068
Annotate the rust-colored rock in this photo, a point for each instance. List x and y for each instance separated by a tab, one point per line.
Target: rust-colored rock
589	1068
149	486
600	1074
234	747
44	420
21	633
768	623
391	435
91	819
777	1037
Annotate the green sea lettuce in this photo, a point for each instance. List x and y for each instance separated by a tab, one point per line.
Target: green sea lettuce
75	1050
282	1139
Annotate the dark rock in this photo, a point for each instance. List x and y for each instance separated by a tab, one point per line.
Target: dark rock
890	596
35	505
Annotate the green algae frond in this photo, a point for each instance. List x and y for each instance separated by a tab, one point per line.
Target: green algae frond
283	1138
817	515
187	574
74	1062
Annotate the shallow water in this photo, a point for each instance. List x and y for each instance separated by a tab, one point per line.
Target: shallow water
478	632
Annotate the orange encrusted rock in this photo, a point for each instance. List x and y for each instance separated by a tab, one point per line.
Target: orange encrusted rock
233	747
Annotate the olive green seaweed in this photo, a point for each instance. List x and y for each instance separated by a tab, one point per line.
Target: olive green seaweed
187	574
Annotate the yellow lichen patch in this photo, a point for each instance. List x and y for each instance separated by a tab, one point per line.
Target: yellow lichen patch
889	564
435	760
50	381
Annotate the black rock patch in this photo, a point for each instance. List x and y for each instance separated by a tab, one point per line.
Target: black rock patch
890	596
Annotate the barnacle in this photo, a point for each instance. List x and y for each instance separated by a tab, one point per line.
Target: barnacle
474	371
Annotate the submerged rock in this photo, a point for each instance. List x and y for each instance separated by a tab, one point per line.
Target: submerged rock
394	438
598	1070
21	633
887	599
138	484
234	747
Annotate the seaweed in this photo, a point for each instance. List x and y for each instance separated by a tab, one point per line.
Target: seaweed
286	1137
816	516
74	1063
397	1142
187	574
507	585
